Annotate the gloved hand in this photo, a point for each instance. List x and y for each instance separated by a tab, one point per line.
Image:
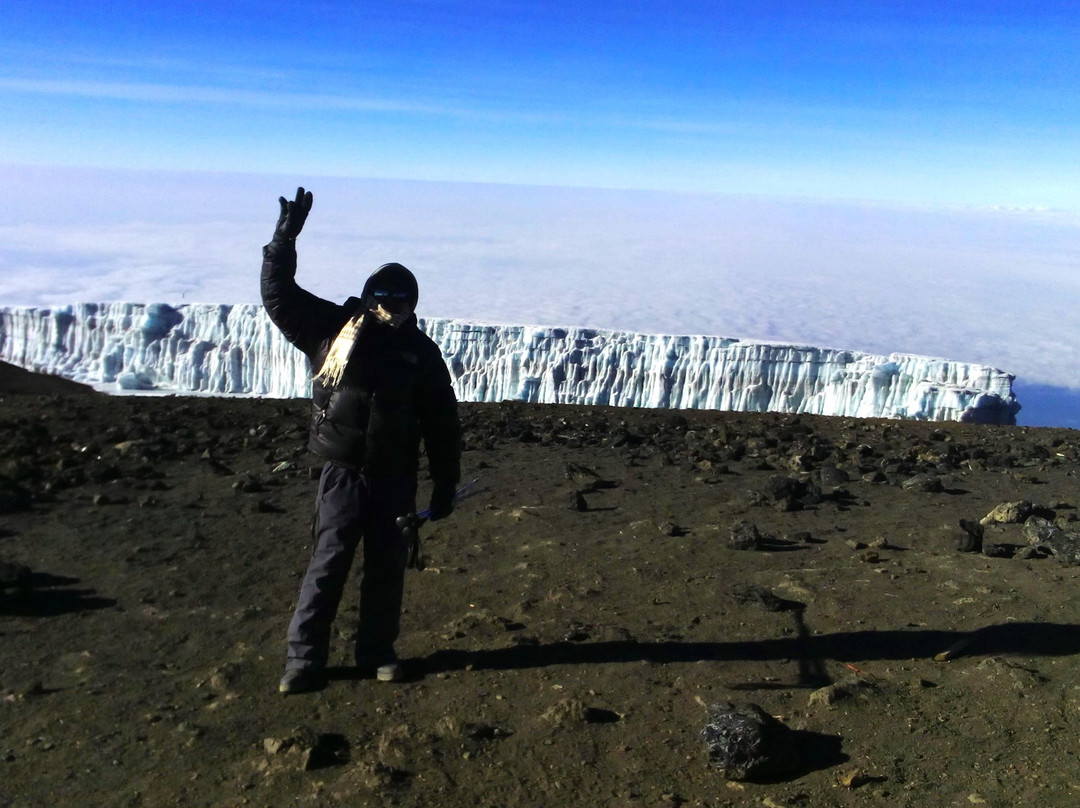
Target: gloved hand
293	215
442	501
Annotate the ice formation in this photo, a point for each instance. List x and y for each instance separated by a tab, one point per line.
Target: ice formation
236	350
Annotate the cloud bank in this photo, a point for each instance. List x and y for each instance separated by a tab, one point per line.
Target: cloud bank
991	286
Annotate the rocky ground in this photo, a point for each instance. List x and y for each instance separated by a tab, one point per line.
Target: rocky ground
580	627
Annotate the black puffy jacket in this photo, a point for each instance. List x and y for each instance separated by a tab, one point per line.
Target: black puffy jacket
396	389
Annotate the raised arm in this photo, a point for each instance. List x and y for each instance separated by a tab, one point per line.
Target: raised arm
303	318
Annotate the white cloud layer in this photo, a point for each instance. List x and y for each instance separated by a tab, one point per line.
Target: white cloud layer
998	287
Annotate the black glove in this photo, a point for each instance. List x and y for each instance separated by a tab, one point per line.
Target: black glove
442	501
293	215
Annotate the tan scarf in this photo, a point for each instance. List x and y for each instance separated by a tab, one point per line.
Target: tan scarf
337	358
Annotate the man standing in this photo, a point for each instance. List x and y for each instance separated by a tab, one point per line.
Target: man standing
379	386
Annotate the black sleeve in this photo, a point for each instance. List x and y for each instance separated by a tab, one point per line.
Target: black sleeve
303	318
439	422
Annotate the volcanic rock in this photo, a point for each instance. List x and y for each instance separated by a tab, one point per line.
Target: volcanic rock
968	536
1043	533
670	529
744	536
786	493
754	593
995	550
830	478
746	743
925	483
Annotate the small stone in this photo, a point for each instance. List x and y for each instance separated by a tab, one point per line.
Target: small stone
924	483
566	712
574	471
851	778
744	536
759	594
966	542
847	688
786	493
1009	513
313	750
830	477
248	485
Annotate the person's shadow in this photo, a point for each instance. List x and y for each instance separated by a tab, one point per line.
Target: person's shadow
39	594
1039	639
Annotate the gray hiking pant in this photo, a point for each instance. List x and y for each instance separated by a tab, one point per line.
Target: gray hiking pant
353	510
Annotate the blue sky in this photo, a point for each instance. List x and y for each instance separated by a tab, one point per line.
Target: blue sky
924	103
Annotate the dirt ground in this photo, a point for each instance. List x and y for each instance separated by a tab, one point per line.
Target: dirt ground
574	623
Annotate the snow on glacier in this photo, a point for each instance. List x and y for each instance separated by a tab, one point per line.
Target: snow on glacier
236	350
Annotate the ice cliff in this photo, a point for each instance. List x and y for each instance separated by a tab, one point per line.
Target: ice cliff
237	350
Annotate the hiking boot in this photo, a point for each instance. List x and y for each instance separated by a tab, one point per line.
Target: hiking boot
302	680
386	666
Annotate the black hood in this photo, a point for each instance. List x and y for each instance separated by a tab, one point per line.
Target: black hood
395	278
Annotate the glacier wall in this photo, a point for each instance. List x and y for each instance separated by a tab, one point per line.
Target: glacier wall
236	350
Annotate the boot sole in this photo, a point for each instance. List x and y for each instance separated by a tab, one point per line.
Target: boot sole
388	673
